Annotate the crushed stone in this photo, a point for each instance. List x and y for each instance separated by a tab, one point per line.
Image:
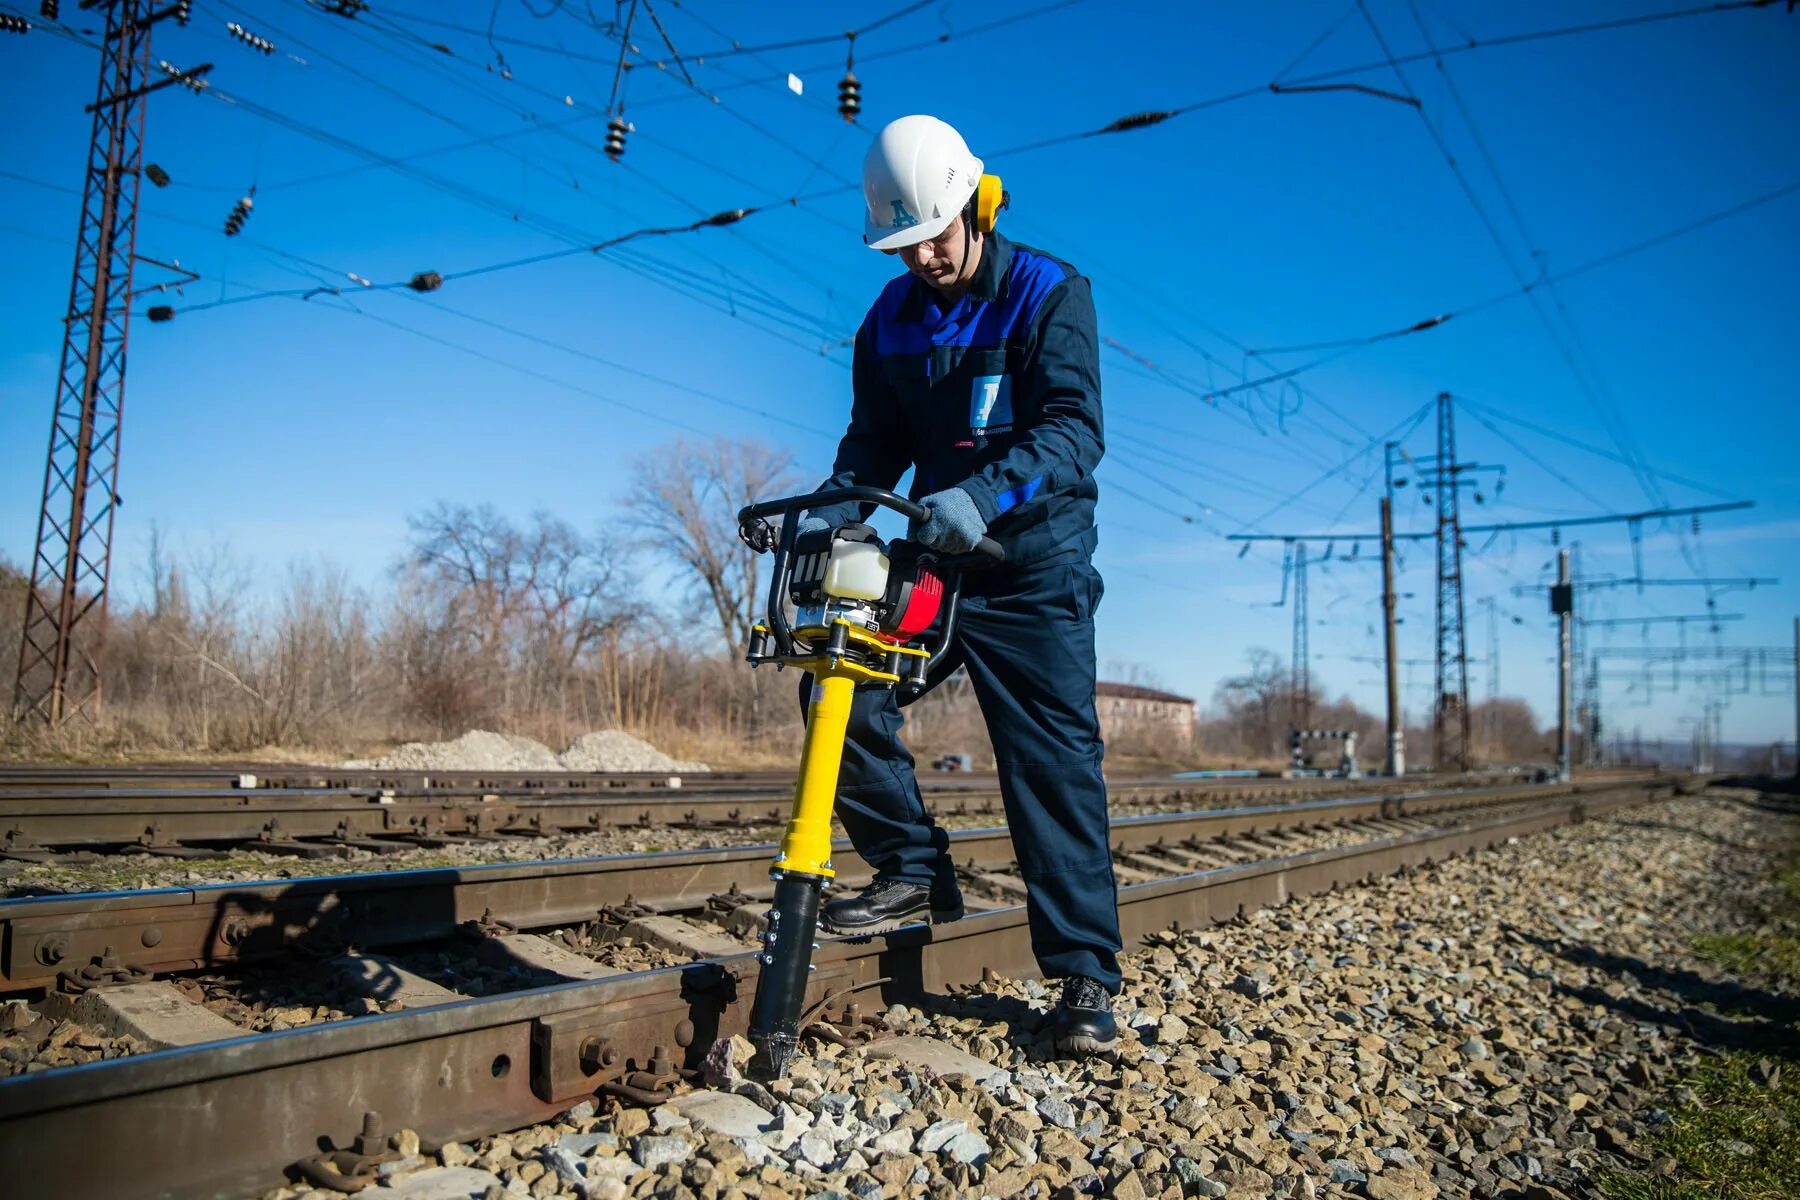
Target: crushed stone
1355	1066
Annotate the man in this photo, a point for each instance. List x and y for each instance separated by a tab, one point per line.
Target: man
978	369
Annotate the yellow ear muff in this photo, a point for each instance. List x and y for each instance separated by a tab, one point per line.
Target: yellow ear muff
989	199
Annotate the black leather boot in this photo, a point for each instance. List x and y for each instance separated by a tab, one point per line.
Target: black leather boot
1083	1019
887	904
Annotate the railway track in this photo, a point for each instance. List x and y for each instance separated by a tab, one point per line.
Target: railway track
223	1118
52	815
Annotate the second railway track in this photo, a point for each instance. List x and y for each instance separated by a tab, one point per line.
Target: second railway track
52	815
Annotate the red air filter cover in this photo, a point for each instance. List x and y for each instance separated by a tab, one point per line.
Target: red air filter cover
919	607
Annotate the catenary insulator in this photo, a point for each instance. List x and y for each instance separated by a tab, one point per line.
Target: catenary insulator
12	24
191	82
183	10
849	96
156	175
616	129
426	281
48	9
240	212
256	42
160	312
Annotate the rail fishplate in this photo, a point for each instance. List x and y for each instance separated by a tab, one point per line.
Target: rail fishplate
578	1053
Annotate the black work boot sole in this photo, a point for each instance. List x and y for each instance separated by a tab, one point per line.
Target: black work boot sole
1082	1022
924	913
1081	1045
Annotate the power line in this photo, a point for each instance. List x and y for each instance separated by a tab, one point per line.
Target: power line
1557	277
1153	117
1536	460
1407	423
556	228
1538	35
1510	526
1564	438
324	270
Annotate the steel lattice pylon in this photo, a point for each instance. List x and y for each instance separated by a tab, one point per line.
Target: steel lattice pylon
65	608
1450	718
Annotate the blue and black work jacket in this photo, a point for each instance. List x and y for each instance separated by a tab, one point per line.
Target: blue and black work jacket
998	395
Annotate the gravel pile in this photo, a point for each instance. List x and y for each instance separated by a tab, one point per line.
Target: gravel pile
607	750
1498	1026
614	750
476	750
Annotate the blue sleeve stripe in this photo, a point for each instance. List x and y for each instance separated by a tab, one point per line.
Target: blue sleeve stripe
1016	496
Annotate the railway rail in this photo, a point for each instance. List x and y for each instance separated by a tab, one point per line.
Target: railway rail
224	1118
190	928
62	814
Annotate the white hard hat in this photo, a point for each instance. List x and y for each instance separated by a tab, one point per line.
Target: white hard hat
916	178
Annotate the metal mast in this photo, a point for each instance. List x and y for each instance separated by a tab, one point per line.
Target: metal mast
1396	726
65	608
1450	720
1301	707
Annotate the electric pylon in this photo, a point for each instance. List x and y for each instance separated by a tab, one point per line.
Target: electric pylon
65	607
1450	716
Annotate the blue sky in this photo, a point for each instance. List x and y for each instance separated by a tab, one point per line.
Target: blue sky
292	429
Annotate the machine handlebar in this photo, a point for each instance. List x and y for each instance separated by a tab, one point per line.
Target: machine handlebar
912	510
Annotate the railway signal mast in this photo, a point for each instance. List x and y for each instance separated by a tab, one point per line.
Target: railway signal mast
65	606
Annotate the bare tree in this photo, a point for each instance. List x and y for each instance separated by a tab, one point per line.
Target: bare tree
683	501
1254	706
520	606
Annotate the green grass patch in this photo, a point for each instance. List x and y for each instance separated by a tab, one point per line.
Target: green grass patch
1770	954
1768	951
1739	1139
1734	1132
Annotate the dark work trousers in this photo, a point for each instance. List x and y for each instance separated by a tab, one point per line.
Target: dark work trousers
1026	635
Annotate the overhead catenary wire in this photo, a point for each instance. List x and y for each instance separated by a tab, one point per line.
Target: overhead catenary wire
616	134
1152	117
1590	265
473	195
1568	341
1555	435
578	250
1346	344
320	270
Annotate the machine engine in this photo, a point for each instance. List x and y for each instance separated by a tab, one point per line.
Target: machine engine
847	573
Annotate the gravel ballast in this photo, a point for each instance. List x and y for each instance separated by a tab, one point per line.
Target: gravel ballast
1503	1025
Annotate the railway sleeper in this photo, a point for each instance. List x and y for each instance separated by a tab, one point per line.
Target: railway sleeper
155	1013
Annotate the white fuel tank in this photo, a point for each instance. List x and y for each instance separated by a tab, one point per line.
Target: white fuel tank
857	571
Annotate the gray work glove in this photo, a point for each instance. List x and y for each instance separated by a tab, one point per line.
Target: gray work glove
953	525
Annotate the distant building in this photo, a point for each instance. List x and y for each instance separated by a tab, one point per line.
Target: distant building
1144	715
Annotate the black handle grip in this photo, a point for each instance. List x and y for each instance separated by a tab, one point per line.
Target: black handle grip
912	510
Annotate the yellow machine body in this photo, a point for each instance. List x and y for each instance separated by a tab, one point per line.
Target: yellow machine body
806	846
